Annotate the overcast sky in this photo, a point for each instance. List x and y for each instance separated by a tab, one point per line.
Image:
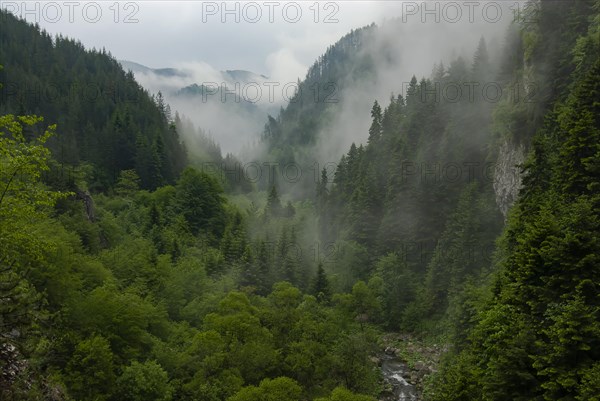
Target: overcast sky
270	37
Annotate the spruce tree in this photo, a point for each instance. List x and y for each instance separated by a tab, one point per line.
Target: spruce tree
320	286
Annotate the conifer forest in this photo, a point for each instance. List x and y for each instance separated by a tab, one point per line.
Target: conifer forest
408	210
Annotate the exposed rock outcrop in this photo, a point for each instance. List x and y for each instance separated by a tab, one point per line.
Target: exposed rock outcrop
508	175
88	203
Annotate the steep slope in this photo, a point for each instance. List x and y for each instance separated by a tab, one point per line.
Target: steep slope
420	189
330	110
343	64
104	117
533	334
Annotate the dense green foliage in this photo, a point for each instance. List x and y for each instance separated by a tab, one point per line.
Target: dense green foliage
141	303
136	276
147	294
536	336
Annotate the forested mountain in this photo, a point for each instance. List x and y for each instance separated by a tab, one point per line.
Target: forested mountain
139	68
340	66
107	120
293	136
536	334
467	220
331	107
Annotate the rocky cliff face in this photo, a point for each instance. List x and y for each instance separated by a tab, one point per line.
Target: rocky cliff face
507	175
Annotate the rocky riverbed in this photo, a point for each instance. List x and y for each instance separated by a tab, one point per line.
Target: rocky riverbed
405	363
397	388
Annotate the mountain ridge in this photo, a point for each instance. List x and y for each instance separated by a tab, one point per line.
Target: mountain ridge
229	76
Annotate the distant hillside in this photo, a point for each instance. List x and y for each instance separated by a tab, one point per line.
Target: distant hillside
234	117
242	76
343	64
227	76
135	67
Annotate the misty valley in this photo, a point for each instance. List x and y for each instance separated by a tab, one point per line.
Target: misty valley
300	201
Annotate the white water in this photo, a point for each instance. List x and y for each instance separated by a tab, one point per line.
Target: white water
400	379
394	372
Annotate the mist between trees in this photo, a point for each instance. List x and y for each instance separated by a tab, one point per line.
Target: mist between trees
140	262
270	92
290	173
330	252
